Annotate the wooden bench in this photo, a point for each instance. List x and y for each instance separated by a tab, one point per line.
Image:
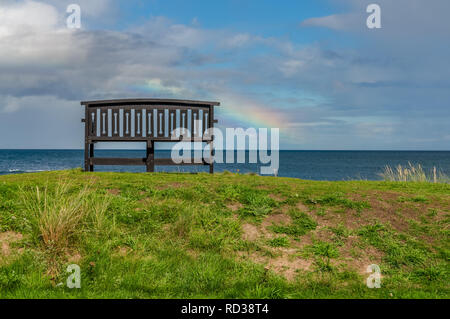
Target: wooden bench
146	120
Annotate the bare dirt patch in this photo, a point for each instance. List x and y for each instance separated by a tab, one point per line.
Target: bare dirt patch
322	234
113	191
145	200
250	232
123	251
276	219
283	260
235	206
386	208
361	258
304	240
350	219
302	207
6	238
286	263
277	197
284	208
192	253
74	257
288	266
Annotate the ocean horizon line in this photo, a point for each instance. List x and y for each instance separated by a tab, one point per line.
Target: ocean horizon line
281	150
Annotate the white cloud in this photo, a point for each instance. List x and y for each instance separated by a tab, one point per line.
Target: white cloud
336	22
26	17
237	40
158	85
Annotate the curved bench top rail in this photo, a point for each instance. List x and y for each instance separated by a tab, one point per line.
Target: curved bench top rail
123	102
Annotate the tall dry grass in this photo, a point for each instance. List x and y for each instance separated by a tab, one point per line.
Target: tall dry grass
59	213
413	173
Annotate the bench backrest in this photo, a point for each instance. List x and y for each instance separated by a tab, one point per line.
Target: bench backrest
148	119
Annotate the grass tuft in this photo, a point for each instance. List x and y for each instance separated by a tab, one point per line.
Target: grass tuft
279	242
413	173
60	212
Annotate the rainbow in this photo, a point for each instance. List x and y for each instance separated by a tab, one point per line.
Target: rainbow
253	114
238	110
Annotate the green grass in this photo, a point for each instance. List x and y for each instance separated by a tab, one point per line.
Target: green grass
157	235
337	199
301	225
279	242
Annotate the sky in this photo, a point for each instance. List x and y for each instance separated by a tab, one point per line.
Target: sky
313	68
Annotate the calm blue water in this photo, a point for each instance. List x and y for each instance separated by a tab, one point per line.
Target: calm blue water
315	165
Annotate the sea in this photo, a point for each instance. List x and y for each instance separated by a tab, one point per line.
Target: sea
311	165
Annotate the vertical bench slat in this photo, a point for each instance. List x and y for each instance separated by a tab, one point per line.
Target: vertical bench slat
138	122
194	123
160	121
205	122
127	122
103	122
92	122
172	121
183	120
149	119
115	118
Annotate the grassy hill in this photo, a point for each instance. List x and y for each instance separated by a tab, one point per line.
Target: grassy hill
220	236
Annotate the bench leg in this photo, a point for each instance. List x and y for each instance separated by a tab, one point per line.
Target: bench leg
91	155
211	157
88	154
150	162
